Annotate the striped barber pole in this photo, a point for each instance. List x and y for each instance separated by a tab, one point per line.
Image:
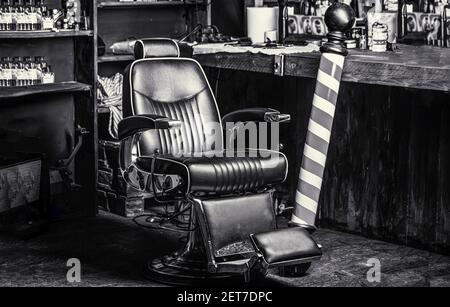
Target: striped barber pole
321	120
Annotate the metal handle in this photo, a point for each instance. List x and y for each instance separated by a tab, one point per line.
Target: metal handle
80	131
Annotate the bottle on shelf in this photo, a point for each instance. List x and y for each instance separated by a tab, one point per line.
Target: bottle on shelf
18	72
30	71
57	18
6	78
34	15
6	16
47	19
47	75
84	21
25	71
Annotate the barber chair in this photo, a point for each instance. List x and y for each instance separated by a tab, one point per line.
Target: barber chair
168	150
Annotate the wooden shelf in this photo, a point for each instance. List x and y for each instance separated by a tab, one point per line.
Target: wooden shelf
110	58
43	34
140	4
53	88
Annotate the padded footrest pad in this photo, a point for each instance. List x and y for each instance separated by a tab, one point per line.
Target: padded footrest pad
286	245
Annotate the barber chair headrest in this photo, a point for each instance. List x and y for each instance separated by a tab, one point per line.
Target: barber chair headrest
156	48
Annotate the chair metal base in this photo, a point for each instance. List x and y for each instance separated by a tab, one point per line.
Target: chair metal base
187	268
190	266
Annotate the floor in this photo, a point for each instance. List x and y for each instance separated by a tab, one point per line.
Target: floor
112	250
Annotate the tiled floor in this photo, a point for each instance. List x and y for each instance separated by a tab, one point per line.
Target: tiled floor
112	251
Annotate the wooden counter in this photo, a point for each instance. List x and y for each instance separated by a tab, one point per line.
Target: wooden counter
420	67
388	168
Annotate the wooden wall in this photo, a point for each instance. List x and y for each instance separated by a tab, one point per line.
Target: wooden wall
388	172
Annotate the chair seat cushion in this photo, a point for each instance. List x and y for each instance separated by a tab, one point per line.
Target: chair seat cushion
224	173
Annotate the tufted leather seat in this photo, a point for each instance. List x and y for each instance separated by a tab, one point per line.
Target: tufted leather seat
245	171
177	88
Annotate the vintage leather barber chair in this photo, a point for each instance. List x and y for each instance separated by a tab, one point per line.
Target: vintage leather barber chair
167	150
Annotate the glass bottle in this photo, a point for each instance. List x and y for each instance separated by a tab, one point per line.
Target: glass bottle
30	6
47	75
3	71
30	71
20	18
39	63
73	11
84	21
7	71
18	71
8	14
2	21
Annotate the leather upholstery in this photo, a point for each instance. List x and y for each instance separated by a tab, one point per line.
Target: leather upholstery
177	88
255	115
155	48
245	171
232	220
286	244
133	124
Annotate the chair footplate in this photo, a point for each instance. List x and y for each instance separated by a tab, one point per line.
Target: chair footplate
284	247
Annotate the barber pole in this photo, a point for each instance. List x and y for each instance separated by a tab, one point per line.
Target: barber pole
339	19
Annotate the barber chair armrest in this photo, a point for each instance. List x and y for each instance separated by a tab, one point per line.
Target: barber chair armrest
256	115
288	246
137	123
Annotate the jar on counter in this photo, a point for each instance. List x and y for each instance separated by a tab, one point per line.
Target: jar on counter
379	37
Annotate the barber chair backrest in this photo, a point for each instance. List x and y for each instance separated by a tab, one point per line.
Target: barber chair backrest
160	82
233	220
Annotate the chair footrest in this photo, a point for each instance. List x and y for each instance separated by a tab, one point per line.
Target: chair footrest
286	246
237	266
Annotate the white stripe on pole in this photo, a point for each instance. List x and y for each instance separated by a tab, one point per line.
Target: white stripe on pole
310	178
328	81
315	155
319	130
337	59
324	105
307	202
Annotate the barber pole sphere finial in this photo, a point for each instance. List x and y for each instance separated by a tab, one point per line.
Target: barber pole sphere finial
339	19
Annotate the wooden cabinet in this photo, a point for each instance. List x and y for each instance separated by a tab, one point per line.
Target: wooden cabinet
44	118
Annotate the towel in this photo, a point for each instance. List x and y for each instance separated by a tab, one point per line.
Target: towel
109	95
218	47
